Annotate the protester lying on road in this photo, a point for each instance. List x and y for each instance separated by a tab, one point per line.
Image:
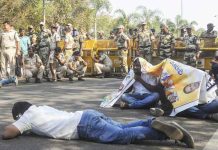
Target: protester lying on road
89	125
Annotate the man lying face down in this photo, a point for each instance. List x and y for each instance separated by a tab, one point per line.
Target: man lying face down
89	125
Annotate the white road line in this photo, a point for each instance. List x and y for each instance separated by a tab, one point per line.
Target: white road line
213	142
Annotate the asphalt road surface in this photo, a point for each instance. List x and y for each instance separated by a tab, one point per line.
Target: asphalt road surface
86	95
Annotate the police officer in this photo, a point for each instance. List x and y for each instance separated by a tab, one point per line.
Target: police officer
31	32
33	66
210	33
44	45
57	65
192	47
144	40
68	43
76	67
9	46
166	43
102	65
55	38
122	41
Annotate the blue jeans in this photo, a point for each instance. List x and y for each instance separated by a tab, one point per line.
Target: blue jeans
8	81
136	100
95	126
200	111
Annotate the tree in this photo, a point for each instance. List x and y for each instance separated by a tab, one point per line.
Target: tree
128	21
147	14
99	6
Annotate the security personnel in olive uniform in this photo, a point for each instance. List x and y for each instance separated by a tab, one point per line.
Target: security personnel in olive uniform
78	40
33	66
192	48
9	48
44	44
122	41
166	43
210	33
144	40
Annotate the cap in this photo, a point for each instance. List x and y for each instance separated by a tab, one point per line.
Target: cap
210	25
120	27
42	23
30	26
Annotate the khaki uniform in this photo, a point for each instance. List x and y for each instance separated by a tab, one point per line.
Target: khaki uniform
144	39
54	39
59	69
166	41
121	40
191	50
69	40
8	52
105	65
79	65
30	68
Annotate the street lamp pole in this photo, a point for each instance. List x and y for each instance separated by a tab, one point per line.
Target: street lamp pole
182	9
43	11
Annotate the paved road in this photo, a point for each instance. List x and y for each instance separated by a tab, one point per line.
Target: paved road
84	95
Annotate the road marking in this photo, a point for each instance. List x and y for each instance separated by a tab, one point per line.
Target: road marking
213	142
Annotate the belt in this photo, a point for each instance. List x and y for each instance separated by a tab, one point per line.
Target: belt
9	47
68	48
145	46
165	47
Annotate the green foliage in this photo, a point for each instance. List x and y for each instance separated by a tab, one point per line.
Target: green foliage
86	14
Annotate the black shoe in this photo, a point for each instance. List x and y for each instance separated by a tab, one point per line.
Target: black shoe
169	130
187	138
70	79
81	79
58	78
38	80
27	80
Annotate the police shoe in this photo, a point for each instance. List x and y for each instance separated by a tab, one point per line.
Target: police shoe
169	130
38	80
81	79
187	138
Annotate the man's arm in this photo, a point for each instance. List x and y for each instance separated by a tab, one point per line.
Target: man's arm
10	132
151	88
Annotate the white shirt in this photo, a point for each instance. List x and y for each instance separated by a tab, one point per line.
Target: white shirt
47	121
139	88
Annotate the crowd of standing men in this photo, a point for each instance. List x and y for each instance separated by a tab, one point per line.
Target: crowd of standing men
38	54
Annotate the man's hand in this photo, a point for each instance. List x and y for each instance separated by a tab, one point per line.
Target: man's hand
10	132
38	65
138	78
